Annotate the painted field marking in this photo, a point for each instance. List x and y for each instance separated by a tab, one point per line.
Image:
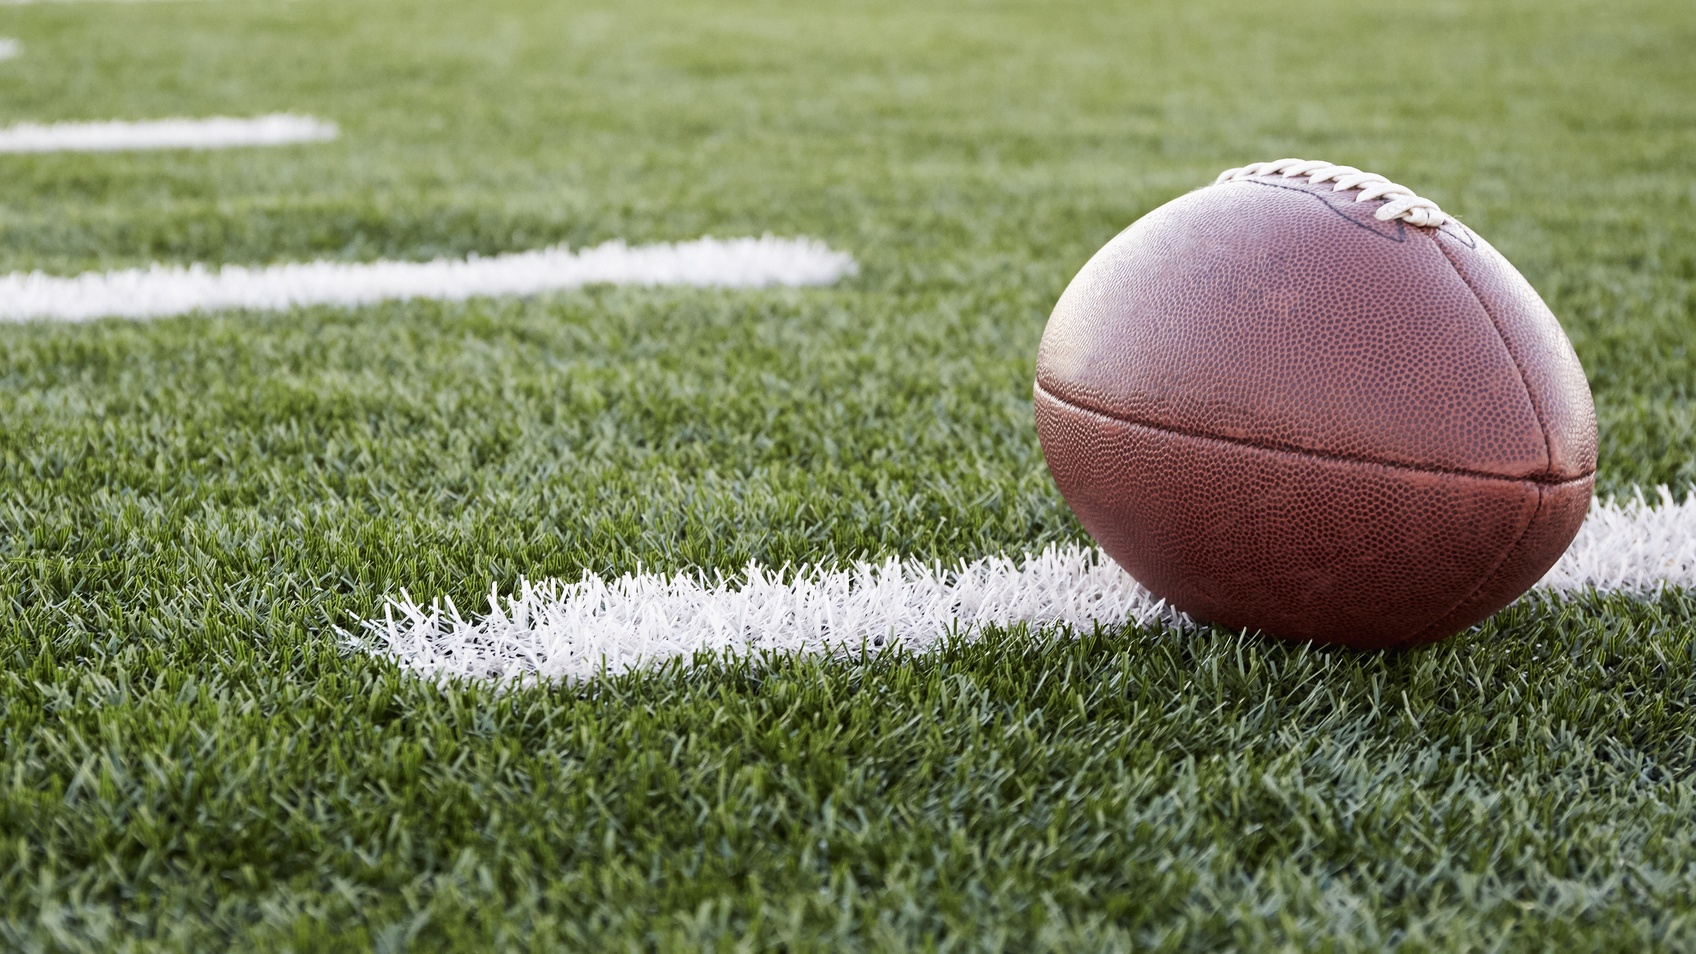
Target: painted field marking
174	290
9	48
570	631
216	132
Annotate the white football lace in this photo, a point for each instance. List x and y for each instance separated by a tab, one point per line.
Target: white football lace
1402	204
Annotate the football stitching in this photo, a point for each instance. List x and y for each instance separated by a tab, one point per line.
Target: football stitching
1401	229
1401	202
1543	478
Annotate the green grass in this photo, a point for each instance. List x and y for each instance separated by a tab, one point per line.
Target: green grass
190	760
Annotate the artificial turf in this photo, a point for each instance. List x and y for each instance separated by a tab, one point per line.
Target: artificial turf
191	509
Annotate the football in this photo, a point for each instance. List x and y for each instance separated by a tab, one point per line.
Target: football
1304	400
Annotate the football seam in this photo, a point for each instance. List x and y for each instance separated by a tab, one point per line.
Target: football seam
1542	479
1419	638
1524	382
1312	192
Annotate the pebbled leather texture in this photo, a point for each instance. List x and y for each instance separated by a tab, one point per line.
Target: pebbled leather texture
1279	413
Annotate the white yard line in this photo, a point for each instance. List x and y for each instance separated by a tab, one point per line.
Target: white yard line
571	631
1636	545
9	48
173	290
216	132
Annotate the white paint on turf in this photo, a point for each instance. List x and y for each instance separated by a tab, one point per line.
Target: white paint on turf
574	631
1631	546
216	132
173	290
9	48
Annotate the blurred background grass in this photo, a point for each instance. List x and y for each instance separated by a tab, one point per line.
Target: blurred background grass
198	502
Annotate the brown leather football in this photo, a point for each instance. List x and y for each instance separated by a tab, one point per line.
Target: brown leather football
1305	401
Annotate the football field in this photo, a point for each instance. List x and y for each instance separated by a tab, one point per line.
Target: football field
621	311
